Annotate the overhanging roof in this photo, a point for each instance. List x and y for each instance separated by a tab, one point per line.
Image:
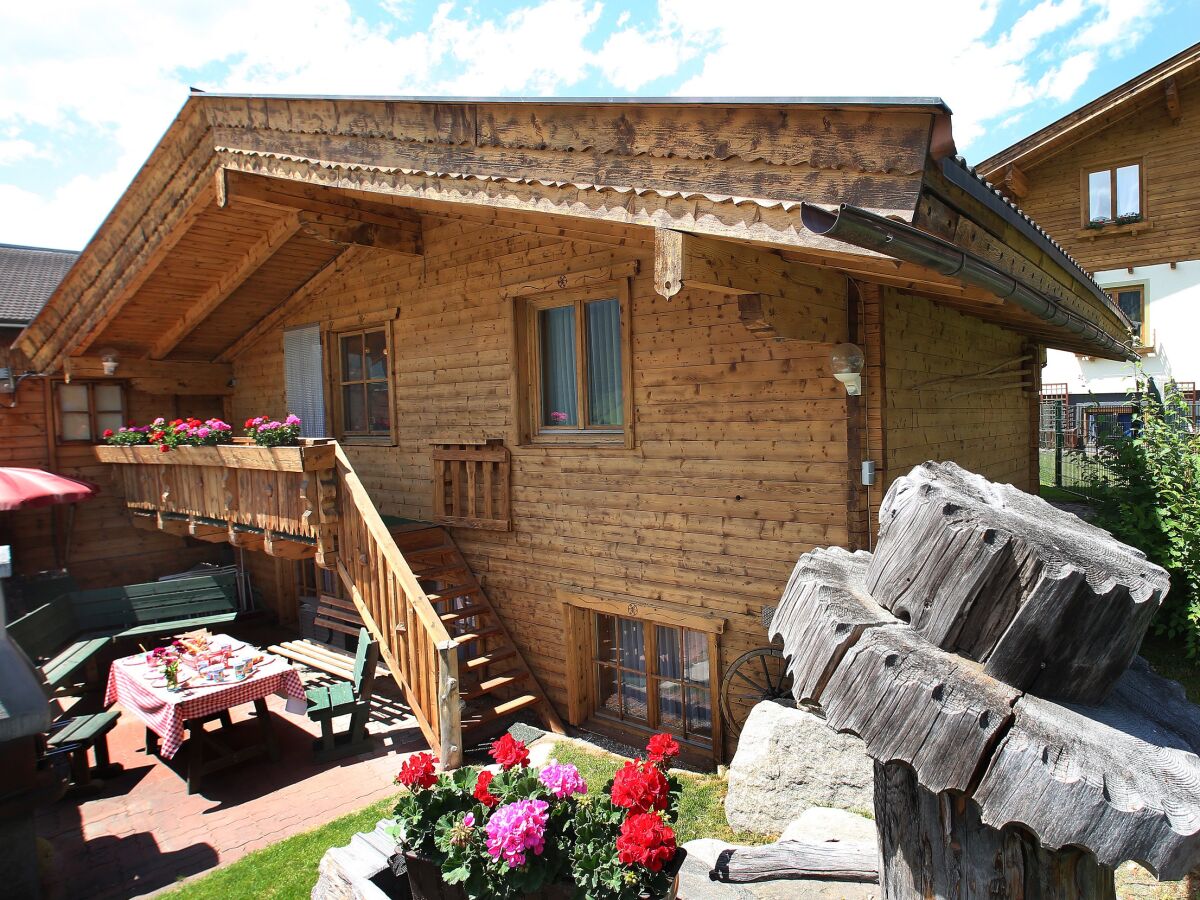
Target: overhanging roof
248	198
1148	87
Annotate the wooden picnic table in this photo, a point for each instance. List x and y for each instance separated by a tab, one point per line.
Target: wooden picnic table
167	714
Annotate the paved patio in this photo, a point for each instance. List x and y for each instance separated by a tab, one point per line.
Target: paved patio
143	832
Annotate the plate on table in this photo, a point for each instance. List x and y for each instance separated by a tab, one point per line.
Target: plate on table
136	661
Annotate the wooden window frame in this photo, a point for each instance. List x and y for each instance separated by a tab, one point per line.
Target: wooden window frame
527	367
336	383
1145	339
580	623
1085	190
91	395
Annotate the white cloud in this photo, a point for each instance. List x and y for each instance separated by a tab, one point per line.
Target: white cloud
631	58
18	150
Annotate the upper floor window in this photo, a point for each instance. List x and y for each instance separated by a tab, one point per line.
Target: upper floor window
1115	194
85	410
576	364
364	383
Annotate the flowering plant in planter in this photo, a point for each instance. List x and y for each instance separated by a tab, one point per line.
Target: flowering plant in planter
518	831
127	436
190	432
267	432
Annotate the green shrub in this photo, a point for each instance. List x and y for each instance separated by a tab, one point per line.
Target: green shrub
1147	493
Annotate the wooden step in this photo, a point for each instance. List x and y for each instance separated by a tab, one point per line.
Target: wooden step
491	685
462	590
421	552
440	571
472	636
475	719
465	613
480	662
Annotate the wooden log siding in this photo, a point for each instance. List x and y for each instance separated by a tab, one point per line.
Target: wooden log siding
471	486
740	461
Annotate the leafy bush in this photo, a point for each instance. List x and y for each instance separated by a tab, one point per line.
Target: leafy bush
1148	495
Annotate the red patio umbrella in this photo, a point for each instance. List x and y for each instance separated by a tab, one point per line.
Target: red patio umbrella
25	488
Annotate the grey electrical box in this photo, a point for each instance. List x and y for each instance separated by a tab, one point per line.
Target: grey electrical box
868	472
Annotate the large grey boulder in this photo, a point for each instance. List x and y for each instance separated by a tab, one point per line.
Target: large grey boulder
788	760
351	872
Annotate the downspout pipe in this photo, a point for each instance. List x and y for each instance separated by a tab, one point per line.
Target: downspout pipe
901	241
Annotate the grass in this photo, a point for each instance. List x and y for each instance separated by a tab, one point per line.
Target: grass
288	869
701	808
284	870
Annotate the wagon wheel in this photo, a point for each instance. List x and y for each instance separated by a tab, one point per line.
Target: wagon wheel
754	676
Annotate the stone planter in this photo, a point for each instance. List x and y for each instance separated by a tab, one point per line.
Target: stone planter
425	882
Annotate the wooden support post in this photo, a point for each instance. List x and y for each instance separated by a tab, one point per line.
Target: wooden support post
934	845
449	706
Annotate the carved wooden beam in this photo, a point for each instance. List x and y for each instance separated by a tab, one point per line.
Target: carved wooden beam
1014	183
168	525
244	540
277	235
155	376
281	547
207	531
401	237
1174	105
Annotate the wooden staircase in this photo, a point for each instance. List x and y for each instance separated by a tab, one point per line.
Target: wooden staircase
494	680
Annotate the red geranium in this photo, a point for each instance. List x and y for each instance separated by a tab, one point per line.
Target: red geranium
645	840
417	772
108	432
640	787
509	752
249	423
164	448
662	749
481	793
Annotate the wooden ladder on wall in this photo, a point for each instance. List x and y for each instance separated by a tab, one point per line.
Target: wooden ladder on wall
438	633
494	679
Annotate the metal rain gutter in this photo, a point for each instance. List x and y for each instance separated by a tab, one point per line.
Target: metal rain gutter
901	241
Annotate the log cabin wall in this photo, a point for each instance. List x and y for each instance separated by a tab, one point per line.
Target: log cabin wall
1167	152
989	431
740	456
105	548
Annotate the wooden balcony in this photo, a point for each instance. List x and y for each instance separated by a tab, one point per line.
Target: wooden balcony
281	500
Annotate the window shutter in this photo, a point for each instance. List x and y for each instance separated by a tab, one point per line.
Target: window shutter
302	373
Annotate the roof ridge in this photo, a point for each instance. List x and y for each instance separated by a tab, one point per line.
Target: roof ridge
4	246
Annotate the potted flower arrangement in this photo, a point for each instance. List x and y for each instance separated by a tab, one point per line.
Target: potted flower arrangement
127	436
190	432
476	833
267	432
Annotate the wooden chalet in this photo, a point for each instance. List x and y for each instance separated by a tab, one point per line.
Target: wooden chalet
576	358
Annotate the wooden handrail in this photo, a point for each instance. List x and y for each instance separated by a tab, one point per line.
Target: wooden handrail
396	610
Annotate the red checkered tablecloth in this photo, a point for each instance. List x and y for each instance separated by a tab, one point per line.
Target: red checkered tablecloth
165	712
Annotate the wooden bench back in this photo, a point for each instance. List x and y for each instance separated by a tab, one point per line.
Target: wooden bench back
157	601
47	629
366	659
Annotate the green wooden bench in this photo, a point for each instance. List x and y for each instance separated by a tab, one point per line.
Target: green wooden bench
66	635
351	698
74	736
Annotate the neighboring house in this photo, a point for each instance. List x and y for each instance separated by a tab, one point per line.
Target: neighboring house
595	340
46	423
1116	184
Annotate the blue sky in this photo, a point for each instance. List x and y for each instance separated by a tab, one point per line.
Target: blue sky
87	88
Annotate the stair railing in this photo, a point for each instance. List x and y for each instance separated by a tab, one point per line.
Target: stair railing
396	610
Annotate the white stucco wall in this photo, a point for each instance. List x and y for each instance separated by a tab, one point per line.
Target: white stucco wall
1173	318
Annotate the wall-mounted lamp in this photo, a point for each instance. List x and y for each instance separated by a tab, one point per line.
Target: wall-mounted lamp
109	361
847	361
8	384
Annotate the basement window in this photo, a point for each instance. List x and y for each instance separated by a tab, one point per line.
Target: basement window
1132	301
85	410
364	388
575	362
1114	195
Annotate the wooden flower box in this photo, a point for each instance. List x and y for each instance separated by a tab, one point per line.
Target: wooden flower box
304	458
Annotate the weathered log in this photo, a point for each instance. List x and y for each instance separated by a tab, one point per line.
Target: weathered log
1047	602
935	845
1121	779
823	611
798	859
910	701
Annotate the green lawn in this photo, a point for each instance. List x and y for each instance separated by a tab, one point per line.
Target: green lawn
284	870
289	869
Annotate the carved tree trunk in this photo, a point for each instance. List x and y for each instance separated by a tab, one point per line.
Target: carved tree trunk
934	845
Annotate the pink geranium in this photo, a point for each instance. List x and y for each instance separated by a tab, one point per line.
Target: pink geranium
517	828
562	780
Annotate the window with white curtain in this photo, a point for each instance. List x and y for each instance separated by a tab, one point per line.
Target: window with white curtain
304	379
577	366
87	409
1114	194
